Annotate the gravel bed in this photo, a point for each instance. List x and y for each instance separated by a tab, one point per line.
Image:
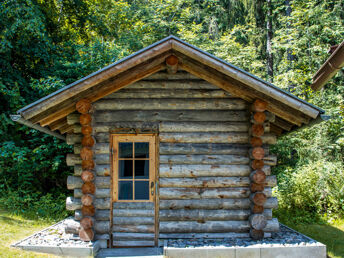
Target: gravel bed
54	236
285	237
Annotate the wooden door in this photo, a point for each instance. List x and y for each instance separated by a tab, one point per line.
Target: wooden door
134	177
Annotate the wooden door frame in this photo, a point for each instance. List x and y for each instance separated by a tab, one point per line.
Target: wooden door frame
155	177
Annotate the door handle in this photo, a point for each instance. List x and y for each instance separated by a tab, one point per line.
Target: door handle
152	188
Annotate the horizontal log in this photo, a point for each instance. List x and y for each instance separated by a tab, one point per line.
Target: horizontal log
99	215
133	213
73	119
133	236
206	193
211	182
73	159
202	235
173	115
71	226
134	228
101	170
125	126
76	182
203	227
171	170
203	148
204	159
133	221
75	203
73	138
272	225
136	243
213	204
100	193
181	127
102	237
101	227
133	205
128	93
170	104
102	159
211	137
169	84
206	215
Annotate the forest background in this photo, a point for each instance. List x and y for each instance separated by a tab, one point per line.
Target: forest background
45	45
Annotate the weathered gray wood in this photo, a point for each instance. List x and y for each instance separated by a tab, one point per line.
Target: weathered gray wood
172	115
133	220
270	160
73	138
72	226
208	137
258	221
102	159
202	235
136	243
75	203
204	227
214	204
100	193
167	170
171	85
272	225
210	182
102	237
170	104
203	215
73	159
204	159
76	182
203	148
108	127
73	119
133	212
133	205
133	236
206	193
182	127
99	215
101	227
133	228
170	170
213	137
129	93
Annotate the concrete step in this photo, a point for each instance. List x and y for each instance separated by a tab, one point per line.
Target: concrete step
144	252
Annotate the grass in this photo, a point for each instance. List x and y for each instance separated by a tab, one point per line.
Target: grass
332	235
15	228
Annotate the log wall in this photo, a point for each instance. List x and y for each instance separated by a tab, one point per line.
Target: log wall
204	154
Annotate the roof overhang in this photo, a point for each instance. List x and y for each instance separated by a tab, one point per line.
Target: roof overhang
331	66
53	109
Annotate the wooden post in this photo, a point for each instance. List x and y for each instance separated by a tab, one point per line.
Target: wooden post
257	220
86	232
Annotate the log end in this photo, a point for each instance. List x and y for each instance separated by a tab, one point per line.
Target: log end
86	234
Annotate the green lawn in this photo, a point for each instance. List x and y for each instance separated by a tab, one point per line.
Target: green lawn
15	228
330	235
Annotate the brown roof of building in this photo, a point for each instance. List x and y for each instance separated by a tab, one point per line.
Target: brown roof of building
291	112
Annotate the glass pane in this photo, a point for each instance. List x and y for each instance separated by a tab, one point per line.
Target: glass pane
125	169
125	190
142	169
141	190
125	149
141	149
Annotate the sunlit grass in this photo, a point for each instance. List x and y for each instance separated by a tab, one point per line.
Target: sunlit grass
15	228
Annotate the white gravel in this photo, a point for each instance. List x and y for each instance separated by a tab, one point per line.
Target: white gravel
54	236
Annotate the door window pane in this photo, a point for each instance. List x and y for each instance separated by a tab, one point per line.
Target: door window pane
125	169
142	169
141	150
141	190
125	149
125	190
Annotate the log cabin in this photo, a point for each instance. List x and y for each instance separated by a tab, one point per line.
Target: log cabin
170	142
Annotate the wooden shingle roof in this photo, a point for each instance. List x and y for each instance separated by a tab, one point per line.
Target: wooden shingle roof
291	112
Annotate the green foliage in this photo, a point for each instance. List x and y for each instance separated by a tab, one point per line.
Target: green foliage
45	45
